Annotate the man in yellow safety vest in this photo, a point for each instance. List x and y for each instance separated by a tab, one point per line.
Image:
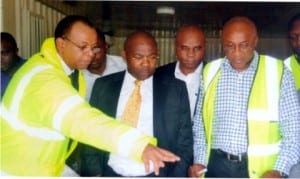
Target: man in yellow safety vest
43	108
250	112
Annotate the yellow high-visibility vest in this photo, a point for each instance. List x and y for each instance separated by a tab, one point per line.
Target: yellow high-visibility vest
41	111
263	112
294	67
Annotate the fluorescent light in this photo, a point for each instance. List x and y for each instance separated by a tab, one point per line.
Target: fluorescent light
165	10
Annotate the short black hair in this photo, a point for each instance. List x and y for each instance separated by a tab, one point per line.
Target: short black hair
292	20
64	26
5	36
101	35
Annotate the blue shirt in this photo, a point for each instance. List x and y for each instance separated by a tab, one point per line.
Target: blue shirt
230	122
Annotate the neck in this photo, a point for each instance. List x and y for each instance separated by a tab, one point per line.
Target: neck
99	70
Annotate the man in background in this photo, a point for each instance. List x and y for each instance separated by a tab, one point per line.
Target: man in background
10	60
103	64
190	51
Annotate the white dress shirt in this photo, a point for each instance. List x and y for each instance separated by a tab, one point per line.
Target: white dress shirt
125	166
113	64
192	82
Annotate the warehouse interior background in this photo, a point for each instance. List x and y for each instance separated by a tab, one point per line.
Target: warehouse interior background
31	21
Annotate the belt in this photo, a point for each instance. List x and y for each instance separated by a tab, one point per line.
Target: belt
231	157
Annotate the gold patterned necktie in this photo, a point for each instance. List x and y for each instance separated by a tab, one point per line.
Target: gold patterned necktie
132	108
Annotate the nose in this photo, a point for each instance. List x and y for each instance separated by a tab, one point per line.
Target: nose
237	51
190	52
145	61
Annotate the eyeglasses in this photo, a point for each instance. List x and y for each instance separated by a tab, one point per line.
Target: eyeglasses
84	48
244	47
139	57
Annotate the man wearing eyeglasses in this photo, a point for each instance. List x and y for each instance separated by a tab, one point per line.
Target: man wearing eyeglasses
160	108
42	110
250	111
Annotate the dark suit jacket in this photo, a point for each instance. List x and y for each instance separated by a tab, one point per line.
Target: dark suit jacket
171	122
167	70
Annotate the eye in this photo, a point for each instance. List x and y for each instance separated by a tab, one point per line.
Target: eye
184	48
229	47
153	57
198	48
137	56
244	45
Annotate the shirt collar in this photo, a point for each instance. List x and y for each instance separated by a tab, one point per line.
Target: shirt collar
180	75
66	68
130	79
252	66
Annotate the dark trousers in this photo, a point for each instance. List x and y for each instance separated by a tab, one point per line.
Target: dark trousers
221	165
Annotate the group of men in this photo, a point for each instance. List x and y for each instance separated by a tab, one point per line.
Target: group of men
236	116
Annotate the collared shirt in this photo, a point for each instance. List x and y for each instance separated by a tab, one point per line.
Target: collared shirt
66	68
192	81
230	122
113	64
126	166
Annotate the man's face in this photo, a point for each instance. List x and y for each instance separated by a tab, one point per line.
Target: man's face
100	57
294	36
239	41
8	55
141	56
78	46
190	49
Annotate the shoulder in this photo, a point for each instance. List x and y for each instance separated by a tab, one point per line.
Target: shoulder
112	78
170	67
166	72
116	60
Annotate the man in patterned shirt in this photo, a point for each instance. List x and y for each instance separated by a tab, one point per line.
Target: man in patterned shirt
250	111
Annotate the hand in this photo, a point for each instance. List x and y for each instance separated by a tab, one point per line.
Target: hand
157	156
272	174
195	169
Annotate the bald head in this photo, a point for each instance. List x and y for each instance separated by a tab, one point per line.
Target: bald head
136	36
190	47
189	29
239	24
239	40
141	54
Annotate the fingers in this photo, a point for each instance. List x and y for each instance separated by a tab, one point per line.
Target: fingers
156	156
147	166
168	156
196	170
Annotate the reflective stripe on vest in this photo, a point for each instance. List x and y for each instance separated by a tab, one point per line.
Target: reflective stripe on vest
11	115
264	138
17	124
67	105
292	64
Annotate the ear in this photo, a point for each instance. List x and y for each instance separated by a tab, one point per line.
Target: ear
123	54
255	41
60	44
